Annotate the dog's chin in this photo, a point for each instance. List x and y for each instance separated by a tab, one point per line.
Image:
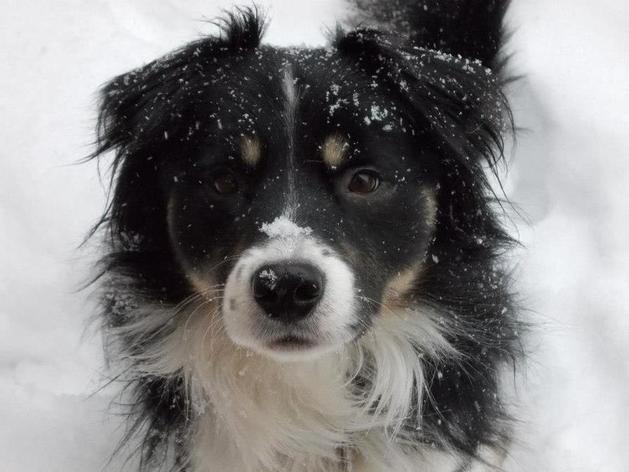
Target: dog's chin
291	349
287	346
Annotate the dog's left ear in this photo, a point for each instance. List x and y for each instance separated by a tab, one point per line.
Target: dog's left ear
458	104
472	29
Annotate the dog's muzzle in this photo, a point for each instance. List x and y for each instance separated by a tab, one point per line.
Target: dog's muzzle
290	295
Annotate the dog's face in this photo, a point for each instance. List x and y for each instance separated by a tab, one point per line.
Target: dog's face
306	196
300	188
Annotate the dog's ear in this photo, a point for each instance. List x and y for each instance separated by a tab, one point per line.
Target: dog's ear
137	122
444	58
143	102
472	29
140	114
457	103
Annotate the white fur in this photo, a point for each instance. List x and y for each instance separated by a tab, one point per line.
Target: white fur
254	414
291	101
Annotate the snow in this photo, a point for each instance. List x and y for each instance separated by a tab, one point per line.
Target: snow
283	228
569	177
269	277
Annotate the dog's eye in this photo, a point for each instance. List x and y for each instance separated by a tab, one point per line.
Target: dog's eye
364	181
225	183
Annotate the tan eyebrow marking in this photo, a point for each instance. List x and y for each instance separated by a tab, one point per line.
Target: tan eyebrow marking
250	150
334	150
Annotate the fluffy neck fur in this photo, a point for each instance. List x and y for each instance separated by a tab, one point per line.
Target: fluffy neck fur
250	413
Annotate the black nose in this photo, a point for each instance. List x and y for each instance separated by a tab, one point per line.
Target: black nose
288	291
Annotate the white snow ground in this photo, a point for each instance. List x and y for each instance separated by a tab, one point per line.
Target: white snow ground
569	175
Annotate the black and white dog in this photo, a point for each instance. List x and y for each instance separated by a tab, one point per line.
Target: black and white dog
304	266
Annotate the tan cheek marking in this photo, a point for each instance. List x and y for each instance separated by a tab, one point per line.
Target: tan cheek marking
250	150
397	291
334	150
200	282
398	288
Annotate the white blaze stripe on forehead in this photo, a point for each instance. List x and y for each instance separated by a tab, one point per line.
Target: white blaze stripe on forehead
431	206
290	117
290	91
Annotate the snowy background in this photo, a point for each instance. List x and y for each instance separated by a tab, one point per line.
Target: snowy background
569	176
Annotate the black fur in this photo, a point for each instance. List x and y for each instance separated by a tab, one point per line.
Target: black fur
470	28
155	119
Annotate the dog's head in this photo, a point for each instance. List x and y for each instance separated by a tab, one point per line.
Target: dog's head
277	203
310	191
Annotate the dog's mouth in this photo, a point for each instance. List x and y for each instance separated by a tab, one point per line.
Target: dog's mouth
292	343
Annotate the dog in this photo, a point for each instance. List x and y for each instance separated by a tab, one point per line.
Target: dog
303	260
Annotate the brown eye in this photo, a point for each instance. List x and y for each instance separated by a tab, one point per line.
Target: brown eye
225	183
364	181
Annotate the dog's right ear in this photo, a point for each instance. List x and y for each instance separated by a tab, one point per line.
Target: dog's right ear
137	105
472	29
140	115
